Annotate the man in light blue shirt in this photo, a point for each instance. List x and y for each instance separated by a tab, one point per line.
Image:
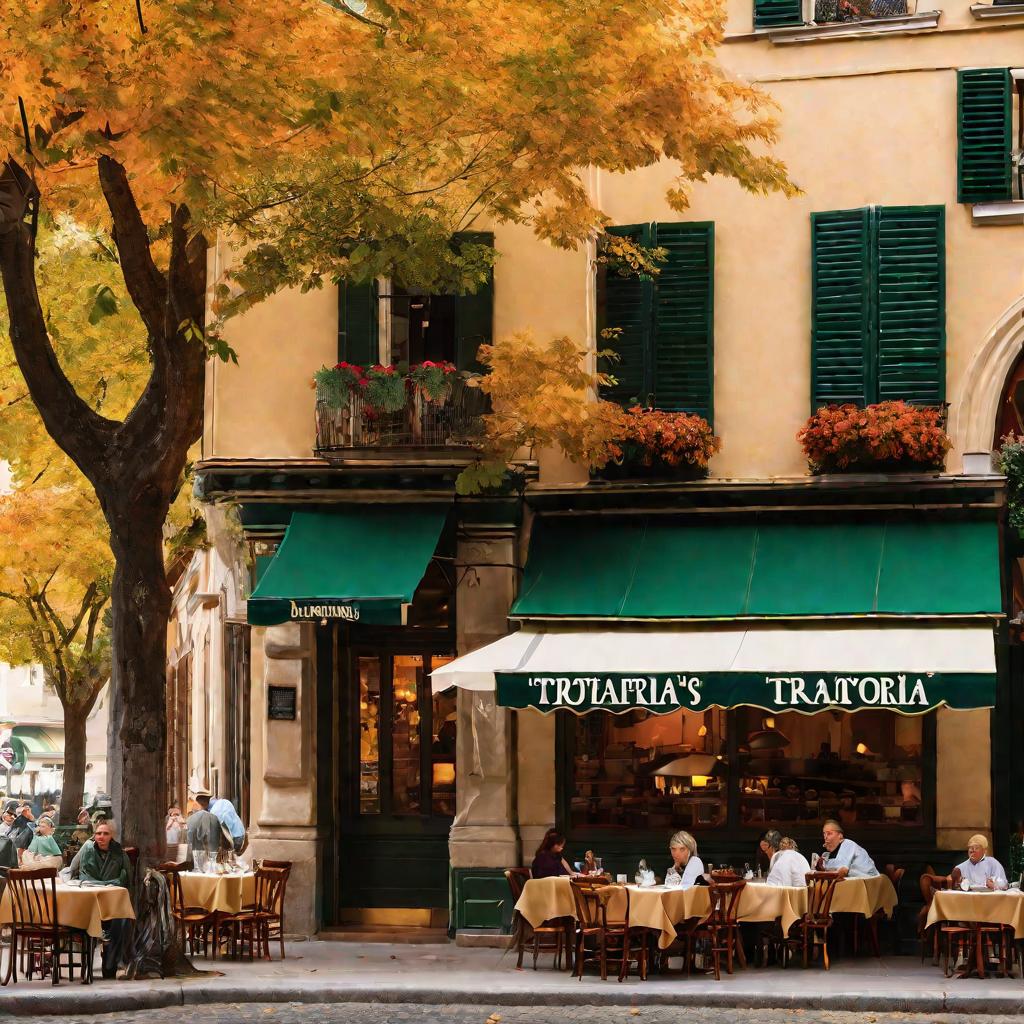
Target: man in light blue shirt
844	855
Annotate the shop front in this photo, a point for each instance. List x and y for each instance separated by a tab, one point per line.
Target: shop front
761	672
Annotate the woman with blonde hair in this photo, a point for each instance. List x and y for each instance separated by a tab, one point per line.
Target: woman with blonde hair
686	867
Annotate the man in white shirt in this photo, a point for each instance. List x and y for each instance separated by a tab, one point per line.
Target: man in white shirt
844	855
789	866
981	870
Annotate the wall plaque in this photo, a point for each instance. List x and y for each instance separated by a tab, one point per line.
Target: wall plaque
282	703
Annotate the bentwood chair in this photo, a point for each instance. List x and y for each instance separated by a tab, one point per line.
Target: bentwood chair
599	939
547	937
196	925
276	923
719	930
251	927
811	930
37	938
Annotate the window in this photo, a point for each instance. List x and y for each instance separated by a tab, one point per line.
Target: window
643	772
864	769
988	168
665	342
770	14
639	773
878	305
382	322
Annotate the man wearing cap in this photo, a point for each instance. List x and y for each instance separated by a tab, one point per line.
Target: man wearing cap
203	827
844	855
981	870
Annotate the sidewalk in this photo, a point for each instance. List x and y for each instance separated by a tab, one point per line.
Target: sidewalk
324	972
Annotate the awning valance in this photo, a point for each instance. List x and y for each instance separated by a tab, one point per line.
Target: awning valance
900	668
649	567
357	564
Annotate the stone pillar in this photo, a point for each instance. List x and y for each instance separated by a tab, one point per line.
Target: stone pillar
484	833
286	824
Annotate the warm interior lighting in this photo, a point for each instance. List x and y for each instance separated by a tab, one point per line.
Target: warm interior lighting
702	731
699	781
444	773
862	748
769	722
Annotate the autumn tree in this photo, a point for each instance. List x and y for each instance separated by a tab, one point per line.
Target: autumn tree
333	140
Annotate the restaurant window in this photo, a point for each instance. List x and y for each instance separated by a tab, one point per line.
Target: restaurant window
864	768
642	772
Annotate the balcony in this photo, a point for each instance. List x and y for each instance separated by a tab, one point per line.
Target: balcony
349	428
829	12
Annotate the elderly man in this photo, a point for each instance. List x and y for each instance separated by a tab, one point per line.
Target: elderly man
788	865
102	861
980	870
844	855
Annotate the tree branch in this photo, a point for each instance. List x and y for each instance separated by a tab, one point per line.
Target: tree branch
146	285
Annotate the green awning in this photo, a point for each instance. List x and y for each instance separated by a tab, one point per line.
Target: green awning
649	567
357	564
36	740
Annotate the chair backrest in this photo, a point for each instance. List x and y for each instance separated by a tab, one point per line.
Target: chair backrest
930	884
270	887
171	873
517	879
590	897
822	886
895	874
724	897
34	898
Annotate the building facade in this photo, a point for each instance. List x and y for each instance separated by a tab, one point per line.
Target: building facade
307	636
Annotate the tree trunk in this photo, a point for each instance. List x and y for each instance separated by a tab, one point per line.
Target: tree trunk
137	760
75	718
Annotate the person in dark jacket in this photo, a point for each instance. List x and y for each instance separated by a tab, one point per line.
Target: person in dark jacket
103	861
548	861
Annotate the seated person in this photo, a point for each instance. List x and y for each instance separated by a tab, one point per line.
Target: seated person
844	855
548	861
103	860
980	869
43	851
686	867
789	866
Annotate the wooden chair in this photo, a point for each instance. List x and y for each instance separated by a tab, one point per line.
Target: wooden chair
196	925
36	935
547	937
611	940
720	928
276	923
894	874
251	927
813	928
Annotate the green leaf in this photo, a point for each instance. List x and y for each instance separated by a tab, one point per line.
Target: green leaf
104	303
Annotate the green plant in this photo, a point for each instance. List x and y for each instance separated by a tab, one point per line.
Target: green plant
433	379
384	390
626	257
1010	459
335	383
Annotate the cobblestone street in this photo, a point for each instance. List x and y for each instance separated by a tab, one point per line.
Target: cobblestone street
400	1013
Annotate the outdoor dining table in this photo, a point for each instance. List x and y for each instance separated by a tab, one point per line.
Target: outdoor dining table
661	908
84	907
216	893
992	906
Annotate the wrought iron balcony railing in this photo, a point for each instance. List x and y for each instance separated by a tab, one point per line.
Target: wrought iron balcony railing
454	420
829	11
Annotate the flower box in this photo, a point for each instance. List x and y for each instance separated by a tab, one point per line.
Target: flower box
660	445
890	437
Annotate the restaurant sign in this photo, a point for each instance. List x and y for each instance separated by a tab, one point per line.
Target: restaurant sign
807	692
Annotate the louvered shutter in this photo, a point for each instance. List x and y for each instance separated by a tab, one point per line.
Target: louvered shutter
357	323
683	358
626	303
910	298
776	13
474	312
984	140
841	363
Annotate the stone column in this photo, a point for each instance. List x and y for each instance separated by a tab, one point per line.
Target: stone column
286	825
484	833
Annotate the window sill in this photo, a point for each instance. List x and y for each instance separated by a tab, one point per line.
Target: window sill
997	12
990	214
865	29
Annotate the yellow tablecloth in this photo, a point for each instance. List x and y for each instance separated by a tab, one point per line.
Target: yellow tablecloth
226	894
660	908
865	896
85	907
989	907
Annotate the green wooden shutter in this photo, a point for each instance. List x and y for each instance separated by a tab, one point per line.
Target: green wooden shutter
776	13
984	140
910	297
684	319
626	303
474	313
841	359
357	323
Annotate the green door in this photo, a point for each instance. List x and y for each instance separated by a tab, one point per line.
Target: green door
396	780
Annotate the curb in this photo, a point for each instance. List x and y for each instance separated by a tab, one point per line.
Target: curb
73	999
